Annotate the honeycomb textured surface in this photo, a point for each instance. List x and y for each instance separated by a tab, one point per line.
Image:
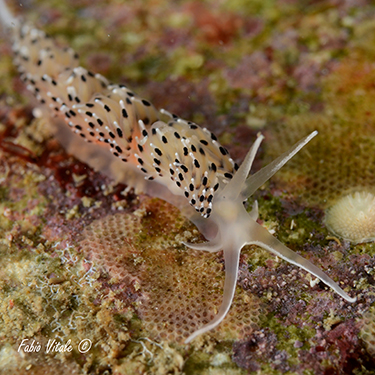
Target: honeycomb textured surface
178	289
367	332
341	159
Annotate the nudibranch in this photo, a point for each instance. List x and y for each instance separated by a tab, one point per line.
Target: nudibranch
156	152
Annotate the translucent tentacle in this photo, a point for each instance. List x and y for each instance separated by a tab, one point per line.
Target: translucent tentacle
233	189
255	181
254	213
261	237
211	246
231	257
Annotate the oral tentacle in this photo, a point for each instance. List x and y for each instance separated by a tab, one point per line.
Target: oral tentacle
255	181
231	257
261	237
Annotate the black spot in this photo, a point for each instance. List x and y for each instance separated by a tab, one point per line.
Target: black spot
91	74
78	127
107	108
67	115
186	151
39	63
82	135
54	82
88	113
130	93
100	122
83	78
146	103
228	175
209	199
184	168
144	133
92	126
70	97
118	149
201	151
158	152
143	170
153	131
208	211
111	135
201	198
191	187
204	142
140	161
178	183
223	150
171	171
77	99
146	121
196	163
213	167
181	177
193	201
72	112
186	194
164	139
101	134
236	166
140	148
157	169
205	180
54	99
193	148
119	132
128	101
76	56
177	135
213	137
124	113
90	105
92	134
201	209
157	161
193	126
216	187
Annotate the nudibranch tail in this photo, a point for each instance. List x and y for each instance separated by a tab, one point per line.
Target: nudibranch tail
255	181
6	17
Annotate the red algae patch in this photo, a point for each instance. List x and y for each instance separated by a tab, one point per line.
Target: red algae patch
178	290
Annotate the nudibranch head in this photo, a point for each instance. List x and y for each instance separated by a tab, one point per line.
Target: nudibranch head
353	217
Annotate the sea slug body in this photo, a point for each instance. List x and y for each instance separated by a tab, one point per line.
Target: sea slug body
160	153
